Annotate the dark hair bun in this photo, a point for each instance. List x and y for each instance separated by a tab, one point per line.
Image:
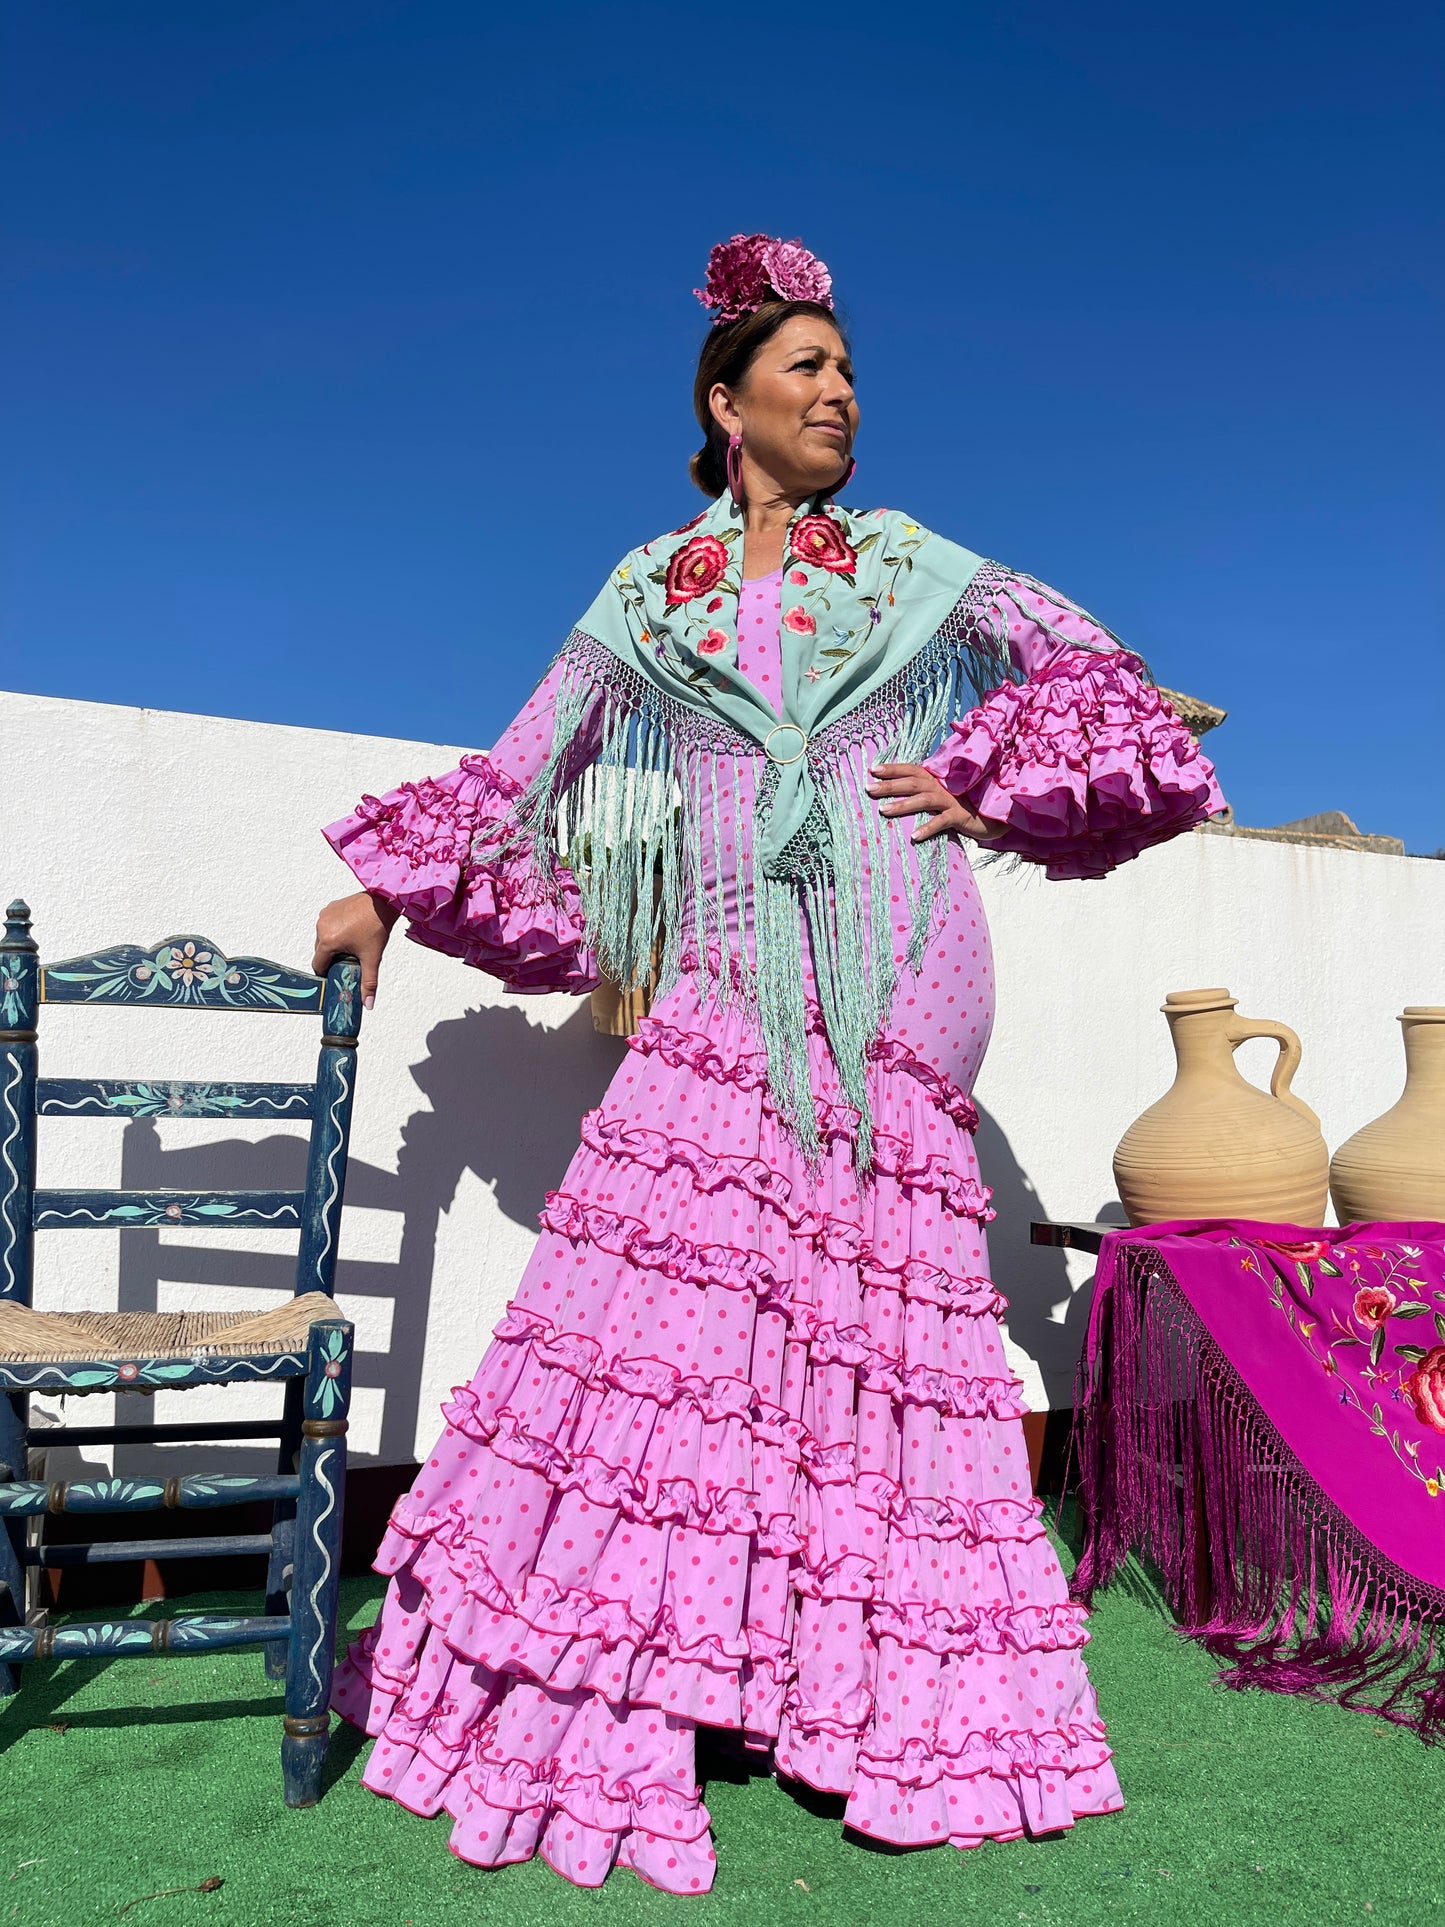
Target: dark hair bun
709	467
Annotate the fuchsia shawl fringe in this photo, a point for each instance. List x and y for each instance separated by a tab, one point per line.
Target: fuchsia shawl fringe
1178	1458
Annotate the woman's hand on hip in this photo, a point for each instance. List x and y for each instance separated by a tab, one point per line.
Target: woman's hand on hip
911	790
356	926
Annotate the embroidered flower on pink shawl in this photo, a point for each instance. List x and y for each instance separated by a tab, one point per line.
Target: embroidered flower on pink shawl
1373	1305
1425	1389
1307	1251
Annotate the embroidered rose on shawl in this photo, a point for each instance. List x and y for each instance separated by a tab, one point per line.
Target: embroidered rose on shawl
1307	1250
1373	1305
800	622
1425	1389
696	569
818	540
713	643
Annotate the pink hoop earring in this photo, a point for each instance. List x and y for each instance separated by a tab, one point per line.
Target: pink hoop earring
735	468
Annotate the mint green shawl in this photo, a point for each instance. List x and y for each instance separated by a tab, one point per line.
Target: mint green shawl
881	638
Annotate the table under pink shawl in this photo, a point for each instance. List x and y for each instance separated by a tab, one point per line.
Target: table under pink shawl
746	1451
1266	1404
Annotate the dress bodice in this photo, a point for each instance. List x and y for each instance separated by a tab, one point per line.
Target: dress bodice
760	618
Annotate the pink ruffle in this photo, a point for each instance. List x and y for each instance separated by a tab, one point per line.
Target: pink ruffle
992	1629
989	1751
440	851
584	1784
894	1055
767	1184
673	1256
1086	765
998	1785
748	1071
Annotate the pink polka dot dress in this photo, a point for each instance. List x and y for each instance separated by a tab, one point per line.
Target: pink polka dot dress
745	1451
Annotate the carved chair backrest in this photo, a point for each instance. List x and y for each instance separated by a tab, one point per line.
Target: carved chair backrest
182	973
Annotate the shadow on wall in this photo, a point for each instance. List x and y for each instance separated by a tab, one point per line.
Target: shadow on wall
506	1098
1034	1278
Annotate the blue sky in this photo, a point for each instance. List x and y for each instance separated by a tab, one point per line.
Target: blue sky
348	344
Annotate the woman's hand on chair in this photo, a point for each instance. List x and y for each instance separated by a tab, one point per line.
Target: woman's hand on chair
911	790
356	926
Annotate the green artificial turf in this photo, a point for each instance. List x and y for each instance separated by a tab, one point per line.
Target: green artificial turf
120	1778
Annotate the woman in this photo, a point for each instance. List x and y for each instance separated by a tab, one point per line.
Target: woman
746	1452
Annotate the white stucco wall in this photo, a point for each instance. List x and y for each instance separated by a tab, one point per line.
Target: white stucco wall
125	825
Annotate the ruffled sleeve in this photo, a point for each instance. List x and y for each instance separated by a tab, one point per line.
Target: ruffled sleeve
447	853
1084	762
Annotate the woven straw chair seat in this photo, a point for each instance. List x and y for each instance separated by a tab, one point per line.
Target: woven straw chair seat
41	1337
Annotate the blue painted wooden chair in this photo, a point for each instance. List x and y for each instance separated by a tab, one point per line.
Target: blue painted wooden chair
306	1345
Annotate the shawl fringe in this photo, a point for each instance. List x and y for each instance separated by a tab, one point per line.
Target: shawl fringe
1281	1584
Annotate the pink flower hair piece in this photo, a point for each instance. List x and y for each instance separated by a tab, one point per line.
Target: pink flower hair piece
743	272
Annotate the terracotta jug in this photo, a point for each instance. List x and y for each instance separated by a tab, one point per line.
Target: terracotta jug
1395	1167
1216	1146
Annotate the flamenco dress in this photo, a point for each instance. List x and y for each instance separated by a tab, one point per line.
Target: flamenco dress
745	1452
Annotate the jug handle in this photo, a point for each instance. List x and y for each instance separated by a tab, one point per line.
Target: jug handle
1285	1065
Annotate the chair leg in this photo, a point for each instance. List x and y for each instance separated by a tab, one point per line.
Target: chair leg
316	1571
12	1538
283	1529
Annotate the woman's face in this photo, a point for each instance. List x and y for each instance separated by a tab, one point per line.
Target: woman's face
795	407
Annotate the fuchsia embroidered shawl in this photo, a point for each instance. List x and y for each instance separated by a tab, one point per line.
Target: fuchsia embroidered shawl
1294	1380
